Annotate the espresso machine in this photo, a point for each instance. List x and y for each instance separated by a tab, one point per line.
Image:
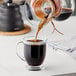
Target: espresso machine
11	17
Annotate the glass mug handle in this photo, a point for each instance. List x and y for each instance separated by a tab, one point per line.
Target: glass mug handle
17	51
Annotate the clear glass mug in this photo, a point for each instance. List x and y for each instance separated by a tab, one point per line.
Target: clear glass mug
34	52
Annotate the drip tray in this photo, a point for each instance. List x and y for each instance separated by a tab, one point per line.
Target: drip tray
24	31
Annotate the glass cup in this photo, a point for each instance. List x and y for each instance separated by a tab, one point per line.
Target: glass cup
34	52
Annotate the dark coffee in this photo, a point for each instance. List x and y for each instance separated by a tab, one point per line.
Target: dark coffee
34	52
35	40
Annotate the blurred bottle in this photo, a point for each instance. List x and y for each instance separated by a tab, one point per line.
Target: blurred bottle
67	10
66	13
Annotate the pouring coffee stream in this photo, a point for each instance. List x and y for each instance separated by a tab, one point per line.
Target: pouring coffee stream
45	18
57	11
41	25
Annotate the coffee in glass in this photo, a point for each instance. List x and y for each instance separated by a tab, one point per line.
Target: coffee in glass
34	53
